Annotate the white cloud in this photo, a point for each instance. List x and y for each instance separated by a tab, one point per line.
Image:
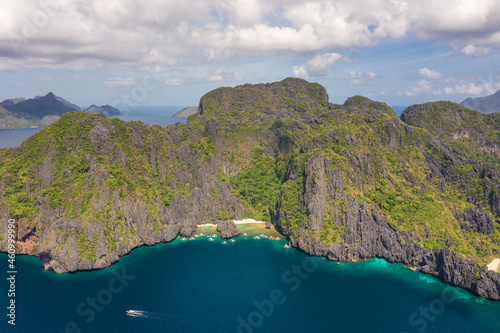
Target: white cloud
422	87
475	51
470	88
358	78
48	78
429	73
471	85
319	64
78	35
221	75
115	82
300	71
172	82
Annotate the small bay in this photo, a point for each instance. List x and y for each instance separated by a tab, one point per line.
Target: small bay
249	286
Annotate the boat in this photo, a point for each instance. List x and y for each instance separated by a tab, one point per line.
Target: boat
191	238
232	240
286	246
224	242
134	313
245	234
210	239
183	239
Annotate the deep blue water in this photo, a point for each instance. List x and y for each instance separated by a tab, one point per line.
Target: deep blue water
249	286
152	115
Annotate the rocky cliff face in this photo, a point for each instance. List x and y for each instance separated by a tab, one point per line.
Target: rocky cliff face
227	229
347	182
369	235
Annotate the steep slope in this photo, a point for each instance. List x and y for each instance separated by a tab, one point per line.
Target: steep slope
486	104
8	120
186	112
347	182
68	104
40	107
471	131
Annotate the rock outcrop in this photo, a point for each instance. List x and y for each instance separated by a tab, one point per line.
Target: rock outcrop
347	182
475	219
228	229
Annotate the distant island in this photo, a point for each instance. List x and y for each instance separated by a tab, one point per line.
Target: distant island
41	111
186	112
344	182
486	104
106	110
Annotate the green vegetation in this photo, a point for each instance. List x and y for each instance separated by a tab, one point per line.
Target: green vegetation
258	185
272	150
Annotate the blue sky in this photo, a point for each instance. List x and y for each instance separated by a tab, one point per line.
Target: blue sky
132	53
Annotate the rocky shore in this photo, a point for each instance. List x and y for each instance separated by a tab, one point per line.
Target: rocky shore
97	188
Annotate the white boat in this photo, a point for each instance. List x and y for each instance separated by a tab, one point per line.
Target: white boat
134	313
210	239
232	240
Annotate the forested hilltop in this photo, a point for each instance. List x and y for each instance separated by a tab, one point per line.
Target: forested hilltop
347	182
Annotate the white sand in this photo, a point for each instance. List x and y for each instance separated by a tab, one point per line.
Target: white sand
245	221
493	266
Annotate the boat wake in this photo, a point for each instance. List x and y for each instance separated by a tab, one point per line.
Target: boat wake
147	314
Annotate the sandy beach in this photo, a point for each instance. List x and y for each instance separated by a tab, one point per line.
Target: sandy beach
494	265
206	225
251	227
244	221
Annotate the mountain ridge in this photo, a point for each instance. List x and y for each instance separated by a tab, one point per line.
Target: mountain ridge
41	111
486	104
346	182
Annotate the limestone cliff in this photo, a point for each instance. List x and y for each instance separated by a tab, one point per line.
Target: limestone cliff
347	182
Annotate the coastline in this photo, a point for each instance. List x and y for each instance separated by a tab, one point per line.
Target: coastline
250	226
247	221
244	221
494	265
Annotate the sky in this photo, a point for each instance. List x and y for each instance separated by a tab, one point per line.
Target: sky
131	53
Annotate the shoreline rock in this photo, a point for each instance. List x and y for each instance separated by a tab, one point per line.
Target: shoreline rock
228	229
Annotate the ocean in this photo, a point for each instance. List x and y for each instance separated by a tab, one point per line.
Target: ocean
249	286
246	287
152	115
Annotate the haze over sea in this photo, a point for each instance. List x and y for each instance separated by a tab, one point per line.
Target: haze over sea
249	286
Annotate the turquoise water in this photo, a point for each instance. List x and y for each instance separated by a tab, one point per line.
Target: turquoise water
249	286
